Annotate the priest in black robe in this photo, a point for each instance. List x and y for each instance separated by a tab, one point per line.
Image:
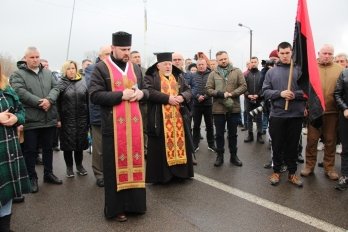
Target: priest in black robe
169	153
116	85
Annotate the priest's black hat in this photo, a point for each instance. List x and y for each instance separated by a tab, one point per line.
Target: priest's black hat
121	39
164	56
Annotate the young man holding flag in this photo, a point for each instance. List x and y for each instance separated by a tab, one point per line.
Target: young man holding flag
285	125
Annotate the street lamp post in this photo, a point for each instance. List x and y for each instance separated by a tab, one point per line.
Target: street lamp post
251	38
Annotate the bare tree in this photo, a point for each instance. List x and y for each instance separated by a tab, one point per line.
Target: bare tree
8	64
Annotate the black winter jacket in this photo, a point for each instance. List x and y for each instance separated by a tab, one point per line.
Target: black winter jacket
253	79
73	111
101	93
341	91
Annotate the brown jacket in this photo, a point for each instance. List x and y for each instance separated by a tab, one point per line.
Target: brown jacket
328	76
217	85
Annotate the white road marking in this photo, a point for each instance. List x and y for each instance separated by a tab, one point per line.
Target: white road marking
309	220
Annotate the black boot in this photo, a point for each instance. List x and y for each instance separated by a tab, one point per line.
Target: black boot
219	160
235	160
342	183
300	159
259	138
18	199
249	138
5	223
194	160
52	179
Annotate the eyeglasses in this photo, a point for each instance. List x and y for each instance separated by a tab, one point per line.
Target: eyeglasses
177	59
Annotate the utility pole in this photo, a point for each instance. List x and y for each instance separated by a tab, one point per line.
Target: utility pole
71	23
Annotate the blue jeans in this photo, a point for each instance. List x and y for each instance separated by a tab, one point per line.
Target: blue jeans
32	139
6	209
220	121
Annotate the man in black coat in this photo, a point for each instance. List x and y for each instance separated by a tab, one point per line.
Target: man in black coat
253	100
113	86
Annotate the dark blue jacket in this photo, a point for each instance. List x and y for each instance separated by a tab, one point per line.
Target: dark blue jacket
197	84
94	110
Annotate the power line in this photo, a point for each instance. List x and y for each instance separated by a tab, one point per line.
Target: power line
194	28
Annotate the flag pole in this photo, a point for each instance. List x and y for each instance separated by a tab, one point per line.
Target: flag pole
290	81
145	35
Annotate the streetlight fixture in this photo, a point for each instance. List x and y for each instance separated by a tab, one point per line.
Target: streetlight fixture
251	37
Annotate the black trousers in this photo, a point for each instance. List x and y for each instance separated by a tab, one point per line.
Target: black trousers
343	130
56	138
220	121
68	157
32	138
198	113
285	134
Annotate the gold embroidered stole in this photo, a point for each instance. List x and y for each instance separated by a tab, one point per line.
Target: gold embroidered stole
128	131
173	124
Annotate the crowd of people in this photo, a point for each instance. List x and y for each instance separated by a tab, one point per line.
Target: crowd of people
146	123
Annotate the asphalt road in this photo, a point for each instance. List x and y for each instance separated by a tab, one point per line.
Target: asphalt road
227	198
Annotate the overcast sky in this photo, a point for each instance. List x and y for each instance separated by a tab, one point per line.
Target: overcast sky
185	26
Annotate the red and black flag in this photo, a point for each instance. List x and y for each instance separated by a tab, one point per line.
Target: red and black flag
304	56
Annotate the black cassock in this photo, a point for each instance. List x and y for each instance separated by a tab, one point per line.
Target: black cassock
124	201
157	169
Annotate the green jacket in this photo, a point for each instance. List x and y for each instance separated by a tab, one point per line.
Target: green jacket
32	87
217	85
14	180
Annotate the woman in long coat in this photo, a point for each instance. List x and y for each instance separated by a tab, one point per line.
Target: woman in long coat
73	112
14	180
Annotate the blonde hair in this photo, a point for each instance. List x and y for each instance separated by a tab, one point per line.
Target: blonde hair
66	65
3	79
